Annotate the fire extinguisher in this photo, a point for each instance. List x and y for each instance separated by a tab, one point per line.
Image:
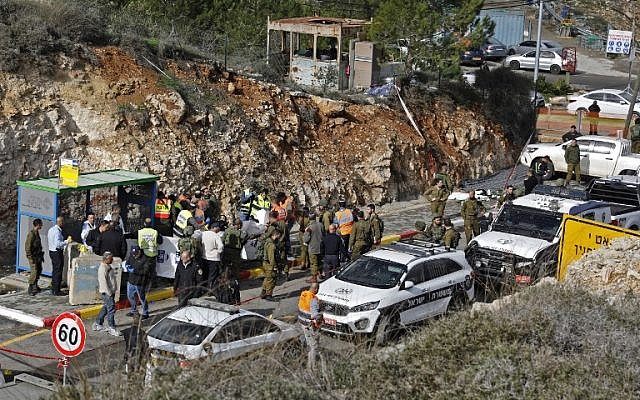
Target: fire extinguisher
347	70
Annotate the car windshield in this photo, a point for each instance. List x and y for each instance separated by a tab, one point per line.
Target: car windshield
373	272
174	331
526	221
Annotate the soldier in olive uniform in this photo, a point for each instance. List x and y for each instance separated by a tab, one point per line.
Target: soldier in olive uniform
375	223
437	195
303	223
435	231
234	239
269	265
281	252
35	255
451	236
420	228
470	210
635	136
572	158
325	214
189	243
360	239
508	196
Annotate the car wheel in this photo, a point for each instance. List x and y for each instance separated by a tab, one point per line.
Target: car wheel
555	69
387	329
514	65
459	302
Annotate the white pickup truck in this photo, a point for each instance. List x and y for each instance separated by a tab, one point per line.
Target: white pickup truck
599	156
521	245
622	192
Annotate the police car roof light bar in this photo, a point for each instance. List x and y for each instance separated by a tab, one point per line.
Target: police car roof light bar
212	303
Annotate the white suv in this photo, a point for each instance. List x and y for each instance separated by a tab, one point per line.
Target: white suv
394	286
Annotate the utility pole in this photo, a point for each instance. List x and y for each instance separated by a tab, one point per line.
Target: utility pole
539	38
636	86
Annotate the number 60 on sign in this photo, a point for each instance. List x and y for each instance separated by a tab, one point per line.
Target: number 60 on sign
68	334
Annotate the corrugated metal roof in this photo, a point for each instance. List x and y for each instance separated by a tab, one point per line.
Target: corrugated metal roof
91	180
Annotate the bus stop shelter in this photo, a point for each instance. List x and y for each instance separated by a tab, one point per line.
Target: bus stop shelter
97	192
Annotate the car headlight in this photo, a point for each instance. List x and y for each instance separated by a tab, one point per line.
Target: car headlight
531	149
365	307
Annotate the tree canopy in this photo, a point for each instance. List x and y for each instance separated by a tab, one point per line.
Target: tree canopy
434	32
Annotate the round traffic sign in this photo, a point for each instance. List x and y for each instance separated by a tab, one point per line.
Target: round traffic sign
68	334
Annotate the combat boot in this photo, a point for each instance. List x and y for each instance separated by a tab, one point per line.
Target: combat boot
31	290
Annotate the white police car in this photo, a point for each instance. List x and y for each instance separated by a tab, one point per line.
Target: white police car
394	286
208	329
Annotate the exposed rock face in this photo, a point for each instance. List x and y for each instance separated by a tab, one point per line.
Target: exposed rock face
226	130
612	270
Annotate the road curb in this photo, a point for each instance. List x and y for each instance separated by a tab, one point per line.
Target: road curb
89	311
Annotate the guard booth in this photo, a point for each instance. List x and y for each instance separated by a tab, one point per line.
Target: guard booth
46	199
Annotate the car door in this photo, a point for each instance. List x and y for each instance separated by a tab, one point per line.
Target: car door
528	60
546	59
242	335
601	158
585	154
614	105
444	277
415	304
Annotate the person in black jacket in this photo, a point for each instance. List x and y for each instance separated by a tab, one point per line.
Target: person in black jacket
94	234
139	269
112	240
530	182
189	276
332	246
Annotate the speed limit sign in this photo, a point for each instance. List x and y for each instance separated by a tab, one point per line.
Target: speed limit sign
68	334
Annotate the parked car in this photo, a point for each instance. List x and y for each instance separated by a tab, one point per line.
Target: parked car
613	103
472	57
600	156
494	49
549	61
529	45
622	192
395	286
206	328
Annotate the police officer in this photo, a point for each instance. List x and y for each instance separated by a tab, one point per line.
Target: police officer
635	136
437	195
435	231
35	255
451	236
148	240
470	210
269	265
234	239
310	318
360	239
184	218
189	278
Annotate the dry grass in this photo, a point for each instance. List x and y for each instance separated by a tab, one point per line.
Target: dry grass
551	343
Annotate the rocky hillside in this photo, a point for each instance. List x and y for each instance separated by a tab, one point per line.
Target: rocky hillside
199	126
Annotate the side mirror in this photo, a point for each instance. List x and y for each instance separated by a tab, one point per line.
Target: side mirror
407	285
623	102
207	347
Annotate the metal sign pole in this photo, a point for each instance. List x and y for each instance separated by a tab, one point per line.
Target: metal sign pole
65	362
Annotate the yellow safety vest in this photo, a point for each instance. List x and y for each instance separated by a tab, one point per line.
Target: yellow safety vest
183	219
148	241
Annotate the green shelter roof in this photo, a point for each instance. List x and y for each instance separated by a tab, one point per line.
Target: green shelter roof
91	180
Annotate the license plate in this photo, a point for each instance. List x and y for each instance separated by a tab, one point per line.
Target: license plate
526	279
477	58
330	322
